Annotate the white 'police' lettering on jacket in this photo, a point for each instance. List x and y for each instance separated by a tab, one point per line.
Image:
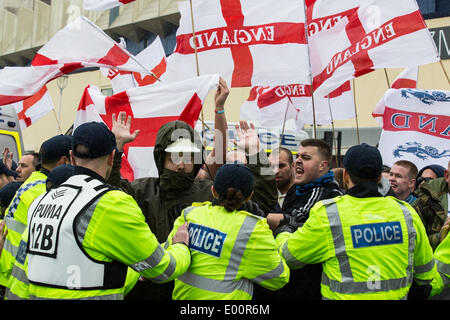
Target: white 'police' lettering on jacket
376	234
205	239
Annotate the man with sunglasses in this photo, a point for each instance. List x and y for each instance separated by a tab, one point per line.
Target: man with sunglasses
433	205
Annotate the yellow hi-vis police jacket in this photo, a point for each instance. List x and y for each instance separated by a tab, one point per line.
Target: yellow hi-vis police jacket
370	248
110	231
18	285
230	251
442	256
16	219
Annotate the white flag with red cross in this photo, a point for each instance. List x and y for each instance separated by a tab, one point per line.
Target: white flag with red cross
408	78
272	106
150	107
416	127
33	108
349	38
152	58
80	44
248	42
103	4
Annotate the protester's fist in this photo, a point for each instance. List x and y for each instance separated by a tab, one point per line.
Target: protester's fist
222	93
121	129
182	235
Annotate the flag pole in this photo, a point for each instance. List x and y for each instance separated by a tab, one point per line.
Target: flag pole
332	127
387	78
284	121
198	69
356	111
445	72
312	89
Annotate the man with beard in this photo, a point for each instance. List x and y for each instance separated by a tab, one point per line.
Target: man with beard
314	181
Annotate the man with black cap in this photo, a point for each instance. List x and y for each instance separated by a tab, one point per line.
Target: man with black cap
53	152
92	232
370	247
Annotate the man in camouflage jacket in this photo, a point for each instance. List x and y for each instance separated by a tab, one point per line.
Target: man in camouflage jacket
432	206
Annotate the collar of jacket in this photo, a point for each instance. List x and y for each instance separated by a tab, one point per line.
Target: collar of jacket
88	172
364	190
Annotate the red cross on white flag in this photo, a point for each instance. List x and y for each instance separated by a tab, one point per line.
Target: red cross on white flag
249	43
150	107
349	38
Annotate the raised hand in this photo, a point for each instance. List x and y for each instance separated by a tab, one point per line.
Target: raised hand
248	138
121	129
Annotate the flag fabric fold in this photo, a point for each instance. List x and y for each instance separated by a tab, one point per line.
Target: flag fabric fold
152	58
33	108
150	107
272	106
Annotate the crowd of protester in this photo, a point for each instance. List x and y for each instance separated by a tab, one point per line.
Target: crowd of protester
277	189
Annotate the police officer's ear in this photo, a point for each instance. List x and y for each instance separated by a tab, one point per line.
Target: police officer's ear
111	158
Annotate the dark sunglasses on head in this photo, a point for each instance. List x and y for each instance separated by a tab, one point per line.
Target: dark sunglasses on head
422	179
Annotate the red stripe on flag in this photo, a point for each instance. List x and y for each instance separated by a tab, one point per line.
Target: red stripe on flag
40	60
404	84
28	103
339	91
278	93
191	111
125	1
115	57
86	100
242	57
149	79
4	100
401	120
392	29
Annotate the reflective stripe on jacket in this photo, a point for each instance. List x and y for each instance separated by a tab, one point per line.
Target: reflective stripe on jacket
16	218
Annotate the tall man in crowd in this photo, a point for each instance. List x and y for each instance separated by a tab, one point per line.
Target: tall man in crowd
314	181
402	177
